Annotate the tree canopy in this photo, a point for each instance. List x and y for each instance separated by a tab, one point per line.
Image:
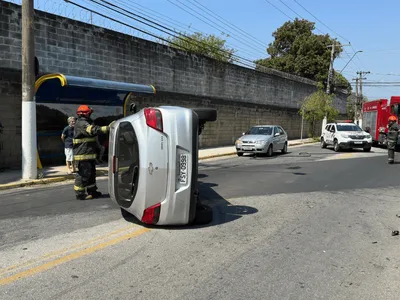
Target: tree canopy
315	107
208	45
298	51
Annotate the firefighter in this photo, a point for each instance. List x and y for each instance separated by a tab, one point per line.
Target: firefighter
85	153
392	135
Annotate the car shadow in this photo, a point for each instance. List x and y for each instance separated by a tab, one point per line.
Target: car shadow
223	211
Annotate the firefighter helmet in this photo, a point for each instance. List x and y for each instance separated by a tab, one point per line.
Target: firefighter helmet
393	118
84	110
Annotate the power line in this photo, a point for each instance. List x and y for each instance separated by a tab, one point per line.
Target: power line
147	32
321	21
158	22
229	24
224	29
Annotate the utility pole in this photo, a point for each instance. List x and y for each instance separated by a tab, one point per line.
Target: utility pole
328	84
360	97
29	160
355	102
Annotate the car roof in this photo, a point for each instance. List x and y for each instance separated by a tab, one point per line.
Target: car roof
341	124
266	126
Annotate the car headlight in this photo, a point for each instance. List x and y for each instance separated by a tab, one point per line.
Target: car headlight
367	136
344	135
238	142
260	142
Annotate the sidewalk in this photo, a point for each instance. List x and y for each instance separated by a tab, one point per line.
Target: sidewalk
10	179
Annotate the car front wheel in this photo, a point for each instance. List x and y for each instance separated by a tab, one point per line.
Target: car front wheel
270	151
336	146
323	144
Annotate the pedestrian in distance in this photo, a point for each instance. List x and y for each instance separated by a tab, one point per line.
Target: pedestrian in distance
392	136
67	137
85	153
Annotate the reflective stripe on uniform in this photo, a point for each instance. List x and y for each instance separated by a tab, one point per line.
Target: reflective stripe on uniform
91	186
84	140
79	188
89	129
85	156
104	129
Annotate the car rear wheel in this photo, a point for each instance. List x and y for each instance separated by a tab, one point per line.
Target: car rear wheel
367	149
284	150
206	114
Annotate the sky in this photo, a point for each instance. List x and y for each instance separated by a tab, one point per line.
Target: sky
368	26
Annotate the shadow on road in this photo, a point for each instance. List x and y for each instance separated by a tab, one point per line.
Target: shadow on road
223	211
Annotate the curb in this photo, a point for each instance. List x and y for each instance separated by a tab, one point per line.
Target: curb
13	185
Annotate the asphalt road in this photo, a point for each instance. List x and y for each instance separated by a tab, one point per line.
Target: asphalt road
311	224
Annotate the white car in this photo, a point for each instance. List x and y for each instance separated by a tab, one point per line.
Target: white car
345	136
153	165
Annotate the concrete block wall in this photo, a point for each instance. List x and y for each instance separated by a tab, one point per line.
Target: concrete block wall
75	48
10	118
242	96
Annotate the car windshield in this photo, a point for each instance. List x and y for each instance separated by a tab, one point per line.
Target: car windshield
260	130
348	128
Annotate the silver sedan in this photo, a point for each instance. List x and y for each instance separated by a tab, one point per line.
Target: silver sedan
262	139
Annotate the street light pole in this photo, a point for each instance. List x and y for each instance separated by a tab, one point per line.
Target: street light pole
350	60
28	114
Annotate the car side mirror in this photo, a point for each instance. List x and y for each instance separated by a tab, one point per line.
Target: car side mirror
133	108
243	133
276	134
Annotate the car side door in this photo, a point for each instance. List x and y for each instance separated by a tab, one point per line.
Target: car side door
328	134
276	138
283	137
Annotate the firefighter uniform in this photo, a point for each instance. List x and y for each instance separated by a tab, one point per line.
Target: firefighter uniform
85	151
392	136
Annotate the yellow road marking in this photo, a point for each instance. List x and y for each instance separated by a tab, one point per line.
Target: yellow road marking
58	252
70	257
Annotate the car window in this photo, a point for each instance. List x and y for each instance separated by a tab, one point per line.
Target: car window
280	130
327	127
333	128
348	127
267	130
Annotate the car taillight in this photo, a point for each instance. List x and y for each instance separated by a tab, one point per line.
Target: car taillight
153	118
151	214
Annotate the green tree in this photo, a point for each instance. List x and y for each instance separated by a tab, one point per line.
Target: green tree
208	45
315	107
298	51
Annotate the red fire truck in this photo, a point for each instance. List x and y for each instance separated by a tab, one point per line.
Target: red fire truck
375	117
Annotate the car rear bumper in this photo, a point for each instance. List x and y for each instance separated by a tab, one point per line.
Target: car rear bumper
179	206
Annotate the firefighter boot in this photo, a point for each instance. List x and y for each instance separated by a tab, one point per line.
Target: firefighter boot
95	194
390	156
84	197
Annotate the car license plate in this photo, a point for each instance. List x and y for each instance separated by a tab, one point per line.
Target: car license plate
247	148
357	142
183	168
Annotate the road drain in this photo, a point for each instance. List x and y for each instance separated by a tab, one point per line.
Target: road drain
304	154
